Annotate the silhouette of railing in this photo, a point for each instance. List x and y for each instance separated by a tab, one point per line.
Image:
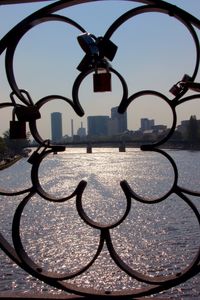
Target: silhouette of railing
99	51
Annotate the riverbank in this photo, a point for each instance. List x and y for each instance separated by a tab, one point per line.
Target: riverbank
4	164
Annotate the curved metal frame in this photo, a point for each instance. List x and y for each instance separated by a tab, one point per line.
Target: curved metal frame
17	253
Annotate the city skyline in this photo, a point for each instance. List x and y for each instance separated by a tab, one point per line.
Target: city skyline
155	59
146	125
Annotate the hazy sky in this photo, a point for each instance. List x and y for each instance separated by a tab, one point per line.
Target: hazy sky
154	52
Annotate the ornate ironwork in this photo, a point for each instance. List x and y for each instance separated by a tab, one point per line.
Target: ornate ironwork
98	52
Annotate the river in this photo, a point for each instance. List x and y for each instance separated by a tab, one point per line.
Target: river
157	239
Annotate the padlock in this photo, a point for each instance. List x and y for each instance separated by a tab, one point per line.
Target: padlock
86	63
27	113
180	85
17	128
106	48
102	81
88	43
175	90
37	153
34	157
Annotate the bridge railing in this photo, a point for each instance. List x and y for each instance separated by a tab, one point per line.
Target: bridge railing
99	52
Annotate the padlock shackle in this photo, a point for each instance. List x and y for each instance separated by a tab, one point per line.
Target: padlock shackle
28	102
102	64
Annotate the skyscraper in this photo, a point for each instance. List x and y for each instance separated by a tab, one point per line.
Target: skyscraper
119	119
146	124
56	127
98	125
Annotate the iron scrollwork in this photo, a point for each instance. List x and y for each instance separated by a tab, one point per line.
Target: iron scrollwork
98	52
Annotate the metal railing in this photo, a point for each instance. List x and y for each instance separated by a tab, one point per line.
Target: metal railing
99	51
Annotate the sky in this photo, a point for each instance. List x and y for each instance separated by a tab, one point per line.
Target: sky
154	52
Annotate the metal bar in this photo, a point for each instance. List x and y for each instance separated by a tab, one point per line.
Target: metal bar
4	2
92	62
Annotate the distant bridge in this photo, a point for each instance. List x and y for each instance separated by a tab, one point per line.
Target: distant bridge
122	145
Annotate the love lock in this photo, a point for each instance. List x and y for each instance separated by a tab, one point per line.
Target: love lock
17	128
34	156
177	88
27	113
38	152
102	81
106	48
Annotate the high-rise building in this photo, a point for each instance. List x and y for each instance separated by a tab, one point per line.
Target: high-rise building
146	124
97	125
118	122
72	128
112	127
56	127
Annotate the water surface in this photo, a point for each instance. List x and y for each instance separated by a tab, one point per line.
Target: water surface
156	239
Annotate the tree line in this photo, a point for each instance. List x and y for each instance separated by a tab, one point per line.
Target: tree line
11	147
190	137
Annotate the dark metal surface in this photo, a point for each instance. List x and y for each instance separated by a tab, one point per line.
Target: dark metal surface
30	112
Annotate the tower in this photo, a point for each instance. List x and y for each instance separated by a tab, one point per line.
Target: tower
81	131
72	128
56	127
98	125
119	119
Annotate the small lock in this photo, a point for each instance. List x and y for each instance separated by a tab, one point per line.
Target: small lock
27	113
37	153
88	43
175	90
179	86
102	81
34	157
17	130
106	48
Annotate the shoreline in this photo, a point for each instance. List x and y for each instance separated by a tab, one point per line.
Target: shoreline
10	163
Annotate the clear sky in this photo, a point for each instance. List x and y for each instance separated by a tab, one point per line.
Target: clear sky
154	52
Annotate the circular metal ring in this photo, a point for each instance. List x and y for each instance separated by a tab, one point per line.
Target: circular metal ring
128	190
97	225
10	42
125	103
29	263
12	45
80	79
36	181
165	8
4	192
159	279
39	104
